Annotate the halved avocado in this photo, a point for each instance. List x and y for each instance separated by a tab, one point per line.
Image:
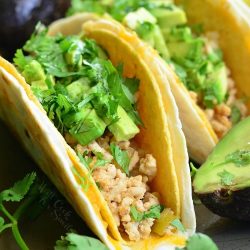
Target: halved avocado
223	181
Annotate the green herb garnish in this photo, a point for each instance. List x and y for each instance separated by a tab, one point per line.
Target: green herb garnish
16	194
199	242
74	241
226	178
154	212
121	157
240	158
178	225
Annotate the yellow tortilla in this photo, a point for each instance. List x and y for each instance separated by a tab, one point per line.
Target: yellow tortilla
162	134
232	22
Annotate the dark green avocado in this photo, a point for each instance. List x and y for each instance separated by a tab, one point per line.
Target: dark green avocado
223	181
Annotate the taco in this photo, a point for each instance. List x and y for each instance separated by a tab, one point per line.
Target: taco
207	47
88	108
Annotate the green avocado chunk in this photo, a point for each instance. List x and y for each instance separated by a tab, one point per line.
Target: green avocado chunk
228	166
216	84
77	89
124	129
92	126
35	75
177	34
189	49
223	181
144	23
151	33
168	17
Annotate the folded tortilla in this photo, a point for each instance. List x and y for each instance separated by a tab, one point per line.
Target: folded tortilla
231	21
161	134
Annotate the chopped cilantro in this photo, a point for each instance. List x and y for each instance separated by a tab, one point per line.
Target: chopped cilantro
62	60
121	157
226	178
19	190
178	225
199	242
16	194
240	158
154	212
235	115
74	241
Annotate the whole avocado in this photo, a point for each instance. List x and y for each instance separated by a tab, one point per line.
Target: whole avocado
19	17
223	181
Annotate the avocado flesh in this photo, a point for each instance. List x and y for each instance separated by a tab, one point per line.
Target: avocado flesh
207	180
188	49
92	126
144	23
219	82
124	129
77	89
169	18
34	75
231	200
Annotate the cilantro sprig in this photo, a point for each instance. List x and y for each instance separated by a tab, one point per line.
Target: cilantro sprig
121	157
74	241
154	212
226	178
16	194
199	241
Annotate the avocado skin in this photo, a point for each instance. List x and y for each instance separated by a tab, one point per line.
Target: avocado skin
19	17
235	205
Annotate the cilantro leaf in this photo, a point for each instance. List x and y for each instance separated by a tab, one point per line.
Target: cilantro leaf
20	60
199	241
19	190
121	157
226	178
235	115
73	241
178	225
240	158
154	212
135	214
1	223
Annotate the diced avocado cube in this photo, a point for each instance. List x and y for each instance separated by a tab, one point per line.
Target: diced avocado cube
33	72
217	80
101	53
77	89
39	84
151	34
124	129
177	34
92	127
191	49
169	17
133	19
160	44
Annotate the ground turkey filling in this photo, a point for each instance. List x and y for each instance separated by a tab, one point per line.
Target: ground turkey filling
220	115
122	191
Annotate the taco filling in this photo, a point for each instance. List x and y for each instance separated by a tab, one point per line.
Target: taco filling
195	56
94	107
